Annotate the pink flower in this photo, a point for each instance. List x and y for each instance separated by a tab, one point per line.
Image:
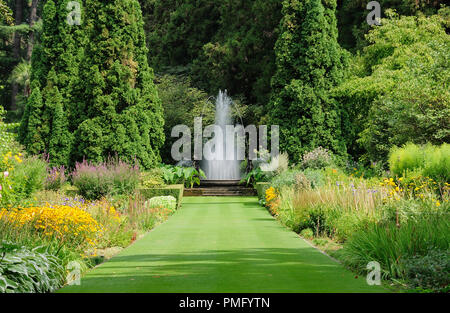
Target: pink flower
1	188
6	174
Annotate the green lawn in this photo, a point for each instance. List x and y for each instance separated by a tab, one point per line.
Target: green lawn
221	244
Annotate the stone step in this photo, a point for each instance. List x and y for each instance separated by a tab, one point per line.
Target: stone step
219	191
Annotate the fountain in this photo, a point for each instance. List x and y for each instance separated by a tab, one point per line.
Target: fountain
220	169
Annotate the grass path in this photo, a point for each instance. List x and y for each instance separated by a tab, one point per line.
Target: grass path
221	244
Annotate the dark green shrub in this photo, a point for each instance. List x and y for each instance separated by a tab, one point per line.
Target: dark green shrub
309	63
92	89
429	272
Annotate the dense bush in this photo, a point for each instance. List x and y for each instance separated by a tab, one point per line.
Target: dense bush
431	161
95	181
25	270
114	109
391	245
152	178
398	91
28	177
317	159
429	273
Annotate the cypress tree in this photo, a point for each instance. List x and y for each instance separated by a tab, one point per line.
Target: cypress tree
93	94
30	131
309	63
55	79
120	101
60	139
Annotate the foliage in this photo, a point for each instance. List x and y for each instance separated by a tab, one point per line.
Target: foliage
28	177
319	158
114	109
254	176
431	161
109	178
167	202
189	176
56	178
429	272
307	233
352	17
54	78
222	45
182	103
24	270
5	14
398	90
8	138
309	62
152	178
20	177
395	244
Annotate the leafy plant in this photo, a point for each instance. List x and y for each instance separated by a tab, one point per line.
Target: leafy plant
28	177
429	272
28	271
152	178
256	175
188	176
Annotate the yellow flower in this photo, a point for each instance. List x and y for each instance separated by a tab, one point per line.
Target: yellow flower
438	203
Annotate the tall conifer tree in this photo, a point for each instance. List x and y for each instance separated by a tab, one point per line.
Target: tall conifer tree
309	63
123	114
93	94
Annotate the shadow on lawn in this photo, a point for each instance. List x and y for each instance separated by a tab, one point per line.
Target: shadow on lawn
252	270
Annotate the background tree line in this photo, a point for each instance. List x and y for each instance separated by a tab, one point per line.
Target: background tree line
346	87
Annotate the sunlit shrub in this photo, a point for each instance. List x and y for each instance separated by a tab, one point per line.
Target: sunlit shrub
317	159
431	161
167	202
21	177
